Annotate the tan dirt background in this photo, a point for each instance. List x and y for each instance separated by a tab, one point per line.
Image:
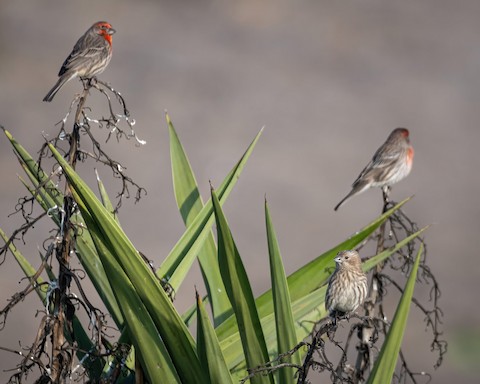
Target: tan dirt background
328	79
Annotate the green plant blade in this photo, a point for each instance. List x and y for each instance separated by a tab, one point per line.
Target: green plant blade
241	296
177	264
208	348
384	367
107	203
310	276
190	205
191	313
173	332
141	327
284	324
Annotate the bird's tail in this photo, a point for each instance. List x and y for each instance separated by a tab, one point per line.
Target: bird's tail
358	187
60	83
343	201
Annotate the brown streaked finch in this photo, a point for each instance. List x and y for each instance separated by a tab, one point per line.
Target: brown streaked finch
347	287
391	163
89	57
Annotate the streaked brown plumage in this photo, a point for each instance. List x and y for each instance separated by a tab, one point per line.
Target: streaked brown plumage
89	57
347	287
391	163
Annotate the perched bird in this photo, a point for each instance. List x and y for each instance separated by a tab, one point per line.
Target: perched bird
89	57
391	163
347	287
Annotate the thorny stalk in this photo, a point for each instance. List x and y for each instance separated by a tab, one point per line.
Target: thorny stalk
55	347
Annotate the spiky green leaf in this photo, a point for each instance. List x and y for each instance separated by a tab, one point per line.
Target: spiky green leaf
384	367
241	296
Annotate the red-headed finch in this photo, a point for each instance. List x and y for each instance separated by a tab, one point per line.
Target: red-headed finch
89	57
347	287
391	163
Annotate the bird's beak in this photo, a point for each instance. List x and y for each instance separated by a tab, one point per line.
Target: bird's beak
111	31
338	260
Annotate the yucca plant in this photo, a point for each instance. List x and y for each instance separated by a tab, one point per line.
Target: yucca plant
260	339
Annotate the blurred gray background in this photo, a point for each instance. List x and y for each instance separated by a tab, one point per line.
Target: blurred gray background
328	79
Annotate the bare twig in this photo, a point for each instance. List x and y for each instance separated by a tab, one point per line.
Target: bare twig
55	347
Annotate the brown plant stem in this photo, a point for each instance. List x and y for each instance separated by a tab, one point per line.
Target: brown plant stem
62	360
